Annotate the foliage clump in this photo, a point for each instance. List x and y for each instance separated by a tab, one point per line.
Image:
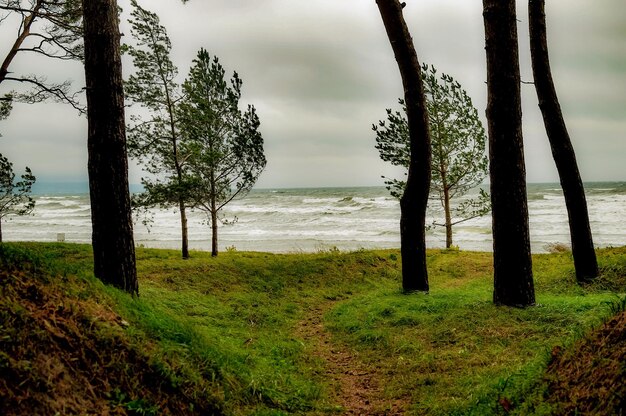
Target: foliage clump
459	162
15	196
201	150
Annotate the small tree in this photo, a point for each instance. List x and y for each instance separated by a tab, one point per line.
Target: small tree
155	142
225	146
14	196
459	161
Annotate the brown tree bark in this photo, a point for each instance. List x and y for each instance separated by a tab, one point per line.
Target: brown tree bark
214	249
585	261
415	198
112	238
448	215
184	231
513	276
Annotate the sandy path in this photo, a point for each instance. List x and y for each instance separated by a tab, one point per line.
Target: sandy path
357	388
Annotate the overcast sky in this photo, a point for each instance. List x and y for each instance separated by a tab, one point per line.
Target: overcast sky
321	72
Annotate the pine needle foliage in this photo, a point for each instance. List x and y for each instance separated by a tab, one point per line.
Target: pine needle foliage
15	196
459	161
226	145
155	140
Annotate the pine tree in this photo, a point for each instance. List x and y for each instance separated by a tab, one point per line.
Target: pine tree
156	141
585	261
414	199
459	161
224	143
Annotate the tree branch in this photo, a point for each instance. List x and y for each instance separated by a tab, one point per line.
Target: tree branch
58	92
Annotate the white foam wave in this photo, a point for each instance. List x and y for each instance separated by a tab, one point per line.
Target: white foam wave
307	219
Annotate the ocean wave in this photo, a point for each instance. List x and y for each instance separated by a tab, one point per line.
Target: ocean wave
282	220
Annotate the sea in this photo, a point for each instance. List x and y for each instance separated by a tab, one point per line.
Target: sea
319	219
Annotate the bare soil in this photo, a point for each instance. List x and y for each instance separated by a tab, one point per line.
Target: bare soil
355	386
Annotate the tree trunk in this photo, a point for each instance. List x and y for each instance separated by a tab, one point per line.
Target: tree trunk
0	229
112	238
513	276
177	164
183	226
213	208
585	261
214	233
415	198
446	208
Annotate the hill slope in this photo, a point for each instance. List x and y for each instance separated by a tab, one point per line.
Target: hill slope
590	377
63	352
323	333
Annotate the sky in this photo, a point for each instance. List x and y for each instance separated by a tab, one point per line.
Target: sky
320	73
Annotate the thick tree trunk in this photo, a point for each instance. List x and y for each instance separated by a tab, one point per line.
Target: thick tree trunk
112	238
415	198
585	260
0	229
513	277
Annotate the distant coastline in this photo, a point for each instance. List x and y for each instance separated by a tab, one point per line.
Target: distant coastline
82	187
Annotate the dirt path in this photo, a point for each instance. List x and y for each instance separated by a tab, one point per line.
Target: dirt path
357	387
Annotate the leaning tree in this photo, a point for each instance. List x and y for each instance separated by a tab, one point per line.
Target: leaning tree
155	139
459	161
585	261
414	199
513	276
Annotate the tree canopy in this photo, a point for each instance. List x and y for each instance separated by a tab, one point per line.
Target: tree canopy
155	141
459	161
225	145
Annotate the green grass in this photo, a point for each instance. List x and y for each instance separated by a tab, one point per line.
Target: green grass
230	321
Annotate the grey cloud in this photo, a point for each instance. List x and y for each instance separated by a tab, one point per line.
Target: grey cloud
321	72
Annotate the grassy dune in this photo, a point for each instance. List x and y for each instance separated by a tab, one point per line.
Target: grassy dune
269	334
